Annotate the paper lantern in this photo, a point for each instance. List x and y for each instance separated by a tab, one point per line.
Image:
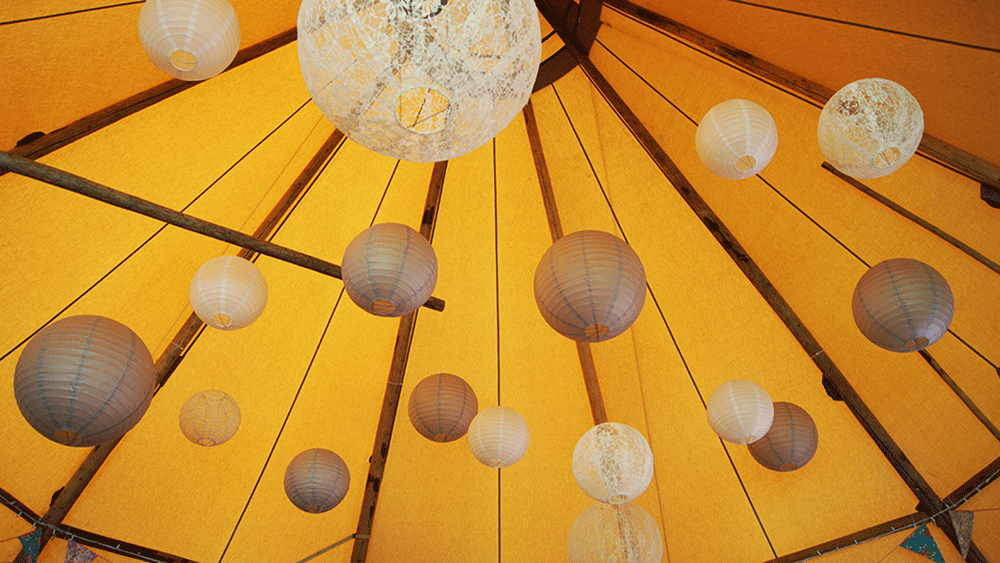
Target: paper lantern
228	292
612	463
740	411
317	480
791	441
422	81
84	380
870	128
590	286
442	406
615	533
903	305
189	39
498	436
736	139
389	270
210	417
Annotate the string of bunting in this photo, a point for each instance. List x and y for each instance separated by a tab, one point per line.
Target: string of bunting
75	553
922	542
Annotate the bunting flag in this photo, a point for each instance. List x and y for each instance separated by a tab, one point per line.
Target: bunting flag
921	542
963	529
30	544
76	553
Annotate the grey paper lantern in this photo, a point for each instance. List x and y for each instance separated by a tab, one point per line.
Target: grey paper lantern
870	128
228	292
210	417
622	533
442	406
421	81
317	480
612	463
740	411
389	270
736	139
189	39
590	286
498	436
903	305
84	380
790	443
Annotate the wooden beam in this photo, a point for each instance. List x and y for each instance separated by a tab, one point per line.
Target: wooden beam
929	502
931	147
913	217
580	21
590	380
104	117
171	357
394	387
129	202
850	540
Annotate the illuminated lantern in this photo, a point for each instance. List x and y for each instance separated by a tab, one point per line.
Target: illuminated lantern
317	480
740	411
790	443
498	437
736	139
389	270
189	39
870	128
590	286
903	305
84	380
210	417
442	406
615	533
228	292
612	463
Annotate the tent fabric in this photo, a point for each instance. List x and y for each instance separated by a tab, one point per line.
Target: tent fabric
311	372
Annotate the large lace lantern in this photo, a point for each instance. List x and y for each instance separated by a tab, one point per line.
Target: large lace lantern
228	292
736	139
740	411
189	39
210	417
790	443
442	406
613	463
498	436
389	270
615	533
420	80
590	286
903	305
84	380
870	128
317	480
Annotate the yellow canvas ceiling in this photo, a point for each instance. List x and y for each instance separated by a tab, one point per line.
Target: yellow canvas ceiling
312	371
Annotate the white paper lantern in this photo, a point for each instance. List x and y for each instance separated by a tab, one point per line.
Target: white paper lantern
421	80
613	463
903	305
790	443
870	128
442	406
84	380
228	292
317	480
189	39
210	417
498	436
736	139
740	411
389	270
608	533
590	286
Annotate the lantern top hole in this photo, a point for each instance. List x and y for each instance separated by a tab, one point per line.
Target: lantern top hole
745	162
183	60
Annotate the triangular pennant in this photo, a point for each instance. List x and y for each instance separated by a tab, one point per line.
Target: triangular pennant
963	529
921	542
30	544
76	553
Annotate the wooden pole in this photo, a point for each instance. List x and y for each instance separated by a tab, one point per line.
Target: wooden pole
394	386
929	502
593	386
129	202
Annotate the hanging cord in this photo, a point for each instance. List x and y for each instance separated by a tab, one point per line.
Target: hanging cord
496	272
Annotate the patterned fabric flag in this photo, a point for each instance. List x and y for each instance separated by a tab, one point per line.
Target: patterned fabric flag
30	544
76	553
921	542
963	528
